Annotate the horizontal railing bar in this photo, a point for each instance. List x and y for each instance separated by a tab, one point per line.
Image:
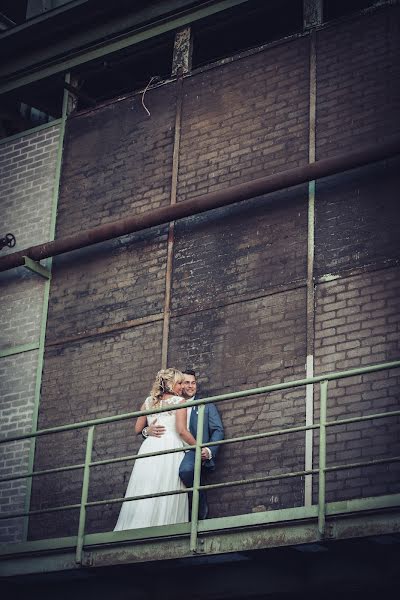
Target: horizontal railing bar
214	486
38	473
207	444
133	498
368	463
256	436
242	482
202	487
109	461
333	509
393	413
211	399
161	452
39	511
207	487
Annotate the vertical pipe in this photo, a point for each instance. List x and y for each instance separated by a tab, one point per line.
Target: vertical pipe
45	306
84	495
322	457
171	231
196	480
310	276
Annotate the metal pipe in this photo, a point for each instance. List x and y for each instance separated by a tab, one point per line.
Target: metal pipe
203	203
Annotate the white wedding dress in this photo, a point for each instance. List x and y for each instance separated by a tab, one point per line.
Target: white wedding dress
156	474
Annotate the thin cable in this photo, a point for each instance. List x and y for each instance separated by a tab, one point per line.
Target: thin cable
145	90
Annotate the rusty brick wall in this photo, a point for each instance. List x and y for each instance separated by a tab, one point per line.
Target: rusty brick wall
357	220
27	170
259	104
238	296
117	161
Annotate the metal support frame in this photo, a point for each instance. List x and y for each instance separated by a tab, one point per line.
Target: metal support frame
47	66
36	267
19	349
322	457
182	57
197	481
171	230
308	458
206	202
80	94
84	495
312	13
319	512
45	305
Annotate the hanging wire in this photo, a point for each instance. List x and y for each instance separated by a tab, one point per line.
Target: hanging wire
145	90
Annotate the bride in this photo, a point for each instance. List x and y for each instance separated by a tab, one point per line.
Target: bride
156	474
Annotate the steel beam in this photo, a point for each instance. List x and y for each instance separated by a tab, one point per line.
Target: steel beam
269	529
110	38
206	202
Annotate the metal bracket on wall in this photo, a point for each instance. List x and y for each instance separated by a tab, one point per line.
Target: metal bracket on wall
36	267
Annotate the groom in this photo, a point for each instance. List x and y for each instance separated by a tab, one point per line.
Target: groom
213	431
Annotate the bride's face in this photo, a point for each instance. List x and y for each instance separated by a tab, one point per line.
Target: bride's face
178	388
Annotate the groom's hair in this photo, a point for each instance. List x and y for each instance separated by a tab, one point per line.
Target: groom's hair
189	372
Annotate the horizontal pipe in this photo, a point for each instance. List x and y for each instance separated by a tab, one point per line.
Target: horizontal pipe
206	202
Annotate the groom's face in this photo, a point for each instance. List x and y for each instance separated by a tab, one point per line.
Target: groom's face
189	385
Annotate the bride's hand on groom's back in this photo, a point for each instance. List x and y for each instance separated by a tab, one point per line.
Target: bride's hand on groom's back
155	429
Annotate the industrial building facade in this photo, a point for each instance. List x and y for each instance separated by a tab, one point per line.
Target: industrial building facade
292	284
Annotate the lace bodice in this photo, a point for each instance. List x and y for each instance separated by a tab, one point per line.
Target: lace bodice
166	418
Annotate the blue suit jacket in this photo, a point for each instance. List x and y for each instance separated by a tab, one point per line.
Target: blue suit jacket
213	430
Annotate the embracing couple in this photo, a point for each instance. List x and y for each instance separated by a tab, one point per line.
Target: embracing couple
173	471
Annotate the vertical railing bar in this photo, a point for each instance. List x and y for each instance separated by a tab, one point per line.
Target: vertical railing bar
196	480
84	495
322	457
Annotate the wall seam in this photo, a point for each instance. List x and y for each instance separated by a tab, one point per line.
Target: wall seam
310	334
45	306
171	229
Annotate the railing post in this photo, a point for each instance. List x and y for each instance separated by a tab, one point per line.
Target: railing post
322	457
84	495
196	480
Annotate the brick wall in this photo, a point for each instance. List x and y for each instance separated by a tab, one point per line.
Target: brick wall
245	119
117	162
358	323
238	293
240	121
358	77
17	393
245	345
27	167
357	220
107	284
103	376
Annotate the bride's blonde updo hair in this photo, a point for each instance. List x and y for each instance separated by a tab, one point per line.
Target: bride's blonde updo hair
164	383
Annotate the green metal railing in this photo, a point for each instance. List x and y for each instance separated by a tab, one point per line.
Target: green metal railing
321	471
